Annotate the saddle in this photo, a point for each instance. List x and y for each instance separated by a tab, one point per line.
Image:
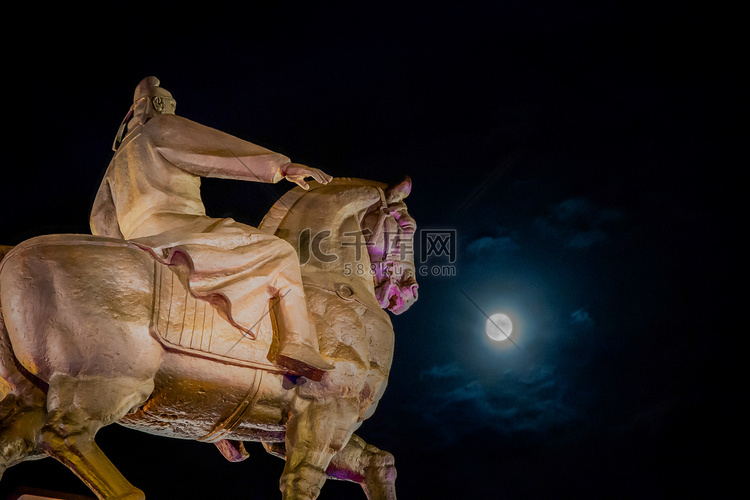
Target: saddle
181	322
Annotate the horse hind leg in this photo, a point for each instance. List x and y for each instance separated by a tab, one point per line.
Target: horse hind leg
21	418
22	409
77	409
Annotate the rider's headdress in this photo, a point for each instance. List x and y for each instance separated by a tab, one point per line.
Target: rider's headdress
142	108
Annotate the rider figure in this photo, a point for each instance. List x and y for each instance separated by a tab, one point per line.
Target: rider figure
150	195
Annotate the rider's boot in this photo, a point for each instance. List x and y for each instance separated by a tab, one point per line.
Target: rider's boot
298	342
302	359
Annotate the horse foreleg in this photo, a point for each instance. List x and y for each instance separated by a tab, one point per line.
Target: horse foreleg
77	409
373	469
315	432
358	462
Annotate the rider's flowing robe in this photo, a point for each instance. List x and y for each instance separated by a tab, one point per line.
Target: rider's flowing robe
150	195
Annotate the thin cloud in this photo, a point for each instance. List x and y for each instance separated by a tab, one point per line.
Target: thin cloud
458	404
487	244
586	238
439	372
581	317
578	223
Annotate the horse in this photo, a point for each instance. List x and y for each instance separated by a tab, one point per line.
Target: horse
84	344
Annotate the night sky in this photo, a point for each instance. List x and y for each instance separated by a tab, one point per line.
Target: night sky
581	153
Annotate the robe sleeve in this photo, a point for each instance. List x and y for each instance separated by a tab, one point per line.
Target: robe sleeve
103	219
207	152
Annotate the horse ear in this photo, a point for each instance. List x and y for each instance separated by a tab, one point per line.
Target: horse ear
399	191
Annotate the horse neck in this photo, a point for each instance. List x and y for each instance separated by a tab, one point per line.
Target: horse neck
329	220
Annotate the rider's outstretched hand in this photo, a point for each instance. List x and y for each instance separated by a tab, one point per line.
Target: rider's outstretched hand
297	174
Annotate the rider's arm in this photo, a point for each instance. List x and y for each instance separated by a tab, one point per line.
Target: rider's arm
207	152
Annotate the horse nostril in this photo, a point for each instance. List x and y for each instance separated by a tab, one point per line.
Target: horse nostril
393	302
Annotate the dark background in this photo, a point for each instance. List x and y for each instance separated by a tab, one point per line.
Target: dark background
582	152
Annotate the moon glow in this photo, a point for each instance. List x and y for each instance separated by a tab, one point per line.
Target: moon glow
498	327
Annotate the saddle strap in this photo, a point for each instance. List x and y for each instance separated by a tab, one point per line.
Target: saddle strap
224	427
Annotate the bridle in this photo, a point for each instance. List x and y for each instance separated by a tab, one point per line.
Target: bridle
390	262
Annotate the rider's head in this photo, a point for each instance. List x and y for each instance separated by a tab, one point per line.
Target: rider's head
149	100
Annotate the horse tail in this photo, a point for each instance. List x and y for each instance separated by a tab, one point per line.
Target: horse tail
13	377
9	373
8	369
7	359
4	249
15	380
22	403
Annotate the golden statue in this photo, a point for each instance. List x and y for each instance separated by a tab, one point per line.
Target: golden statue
178	324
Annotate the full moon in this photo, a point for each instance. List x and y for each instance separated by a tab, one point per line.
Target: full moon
498	327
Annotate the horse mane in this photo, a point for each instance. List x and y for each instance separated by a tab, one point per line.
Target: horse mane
276	214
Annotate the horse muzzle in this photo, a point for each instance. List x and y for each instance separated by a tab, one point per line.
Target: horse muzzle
397	293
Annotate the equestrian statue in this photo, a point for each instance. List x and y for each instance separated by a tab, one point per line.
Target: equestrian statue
171	322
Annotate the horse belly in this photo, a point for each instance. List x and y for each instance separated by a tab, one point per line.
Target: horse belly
194	397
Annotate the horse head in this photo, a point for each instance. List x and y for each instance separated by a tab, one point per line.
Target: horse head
391	247
321	223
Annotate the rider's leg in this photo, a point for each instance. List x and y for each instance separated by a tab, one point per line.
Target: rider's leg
298	342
